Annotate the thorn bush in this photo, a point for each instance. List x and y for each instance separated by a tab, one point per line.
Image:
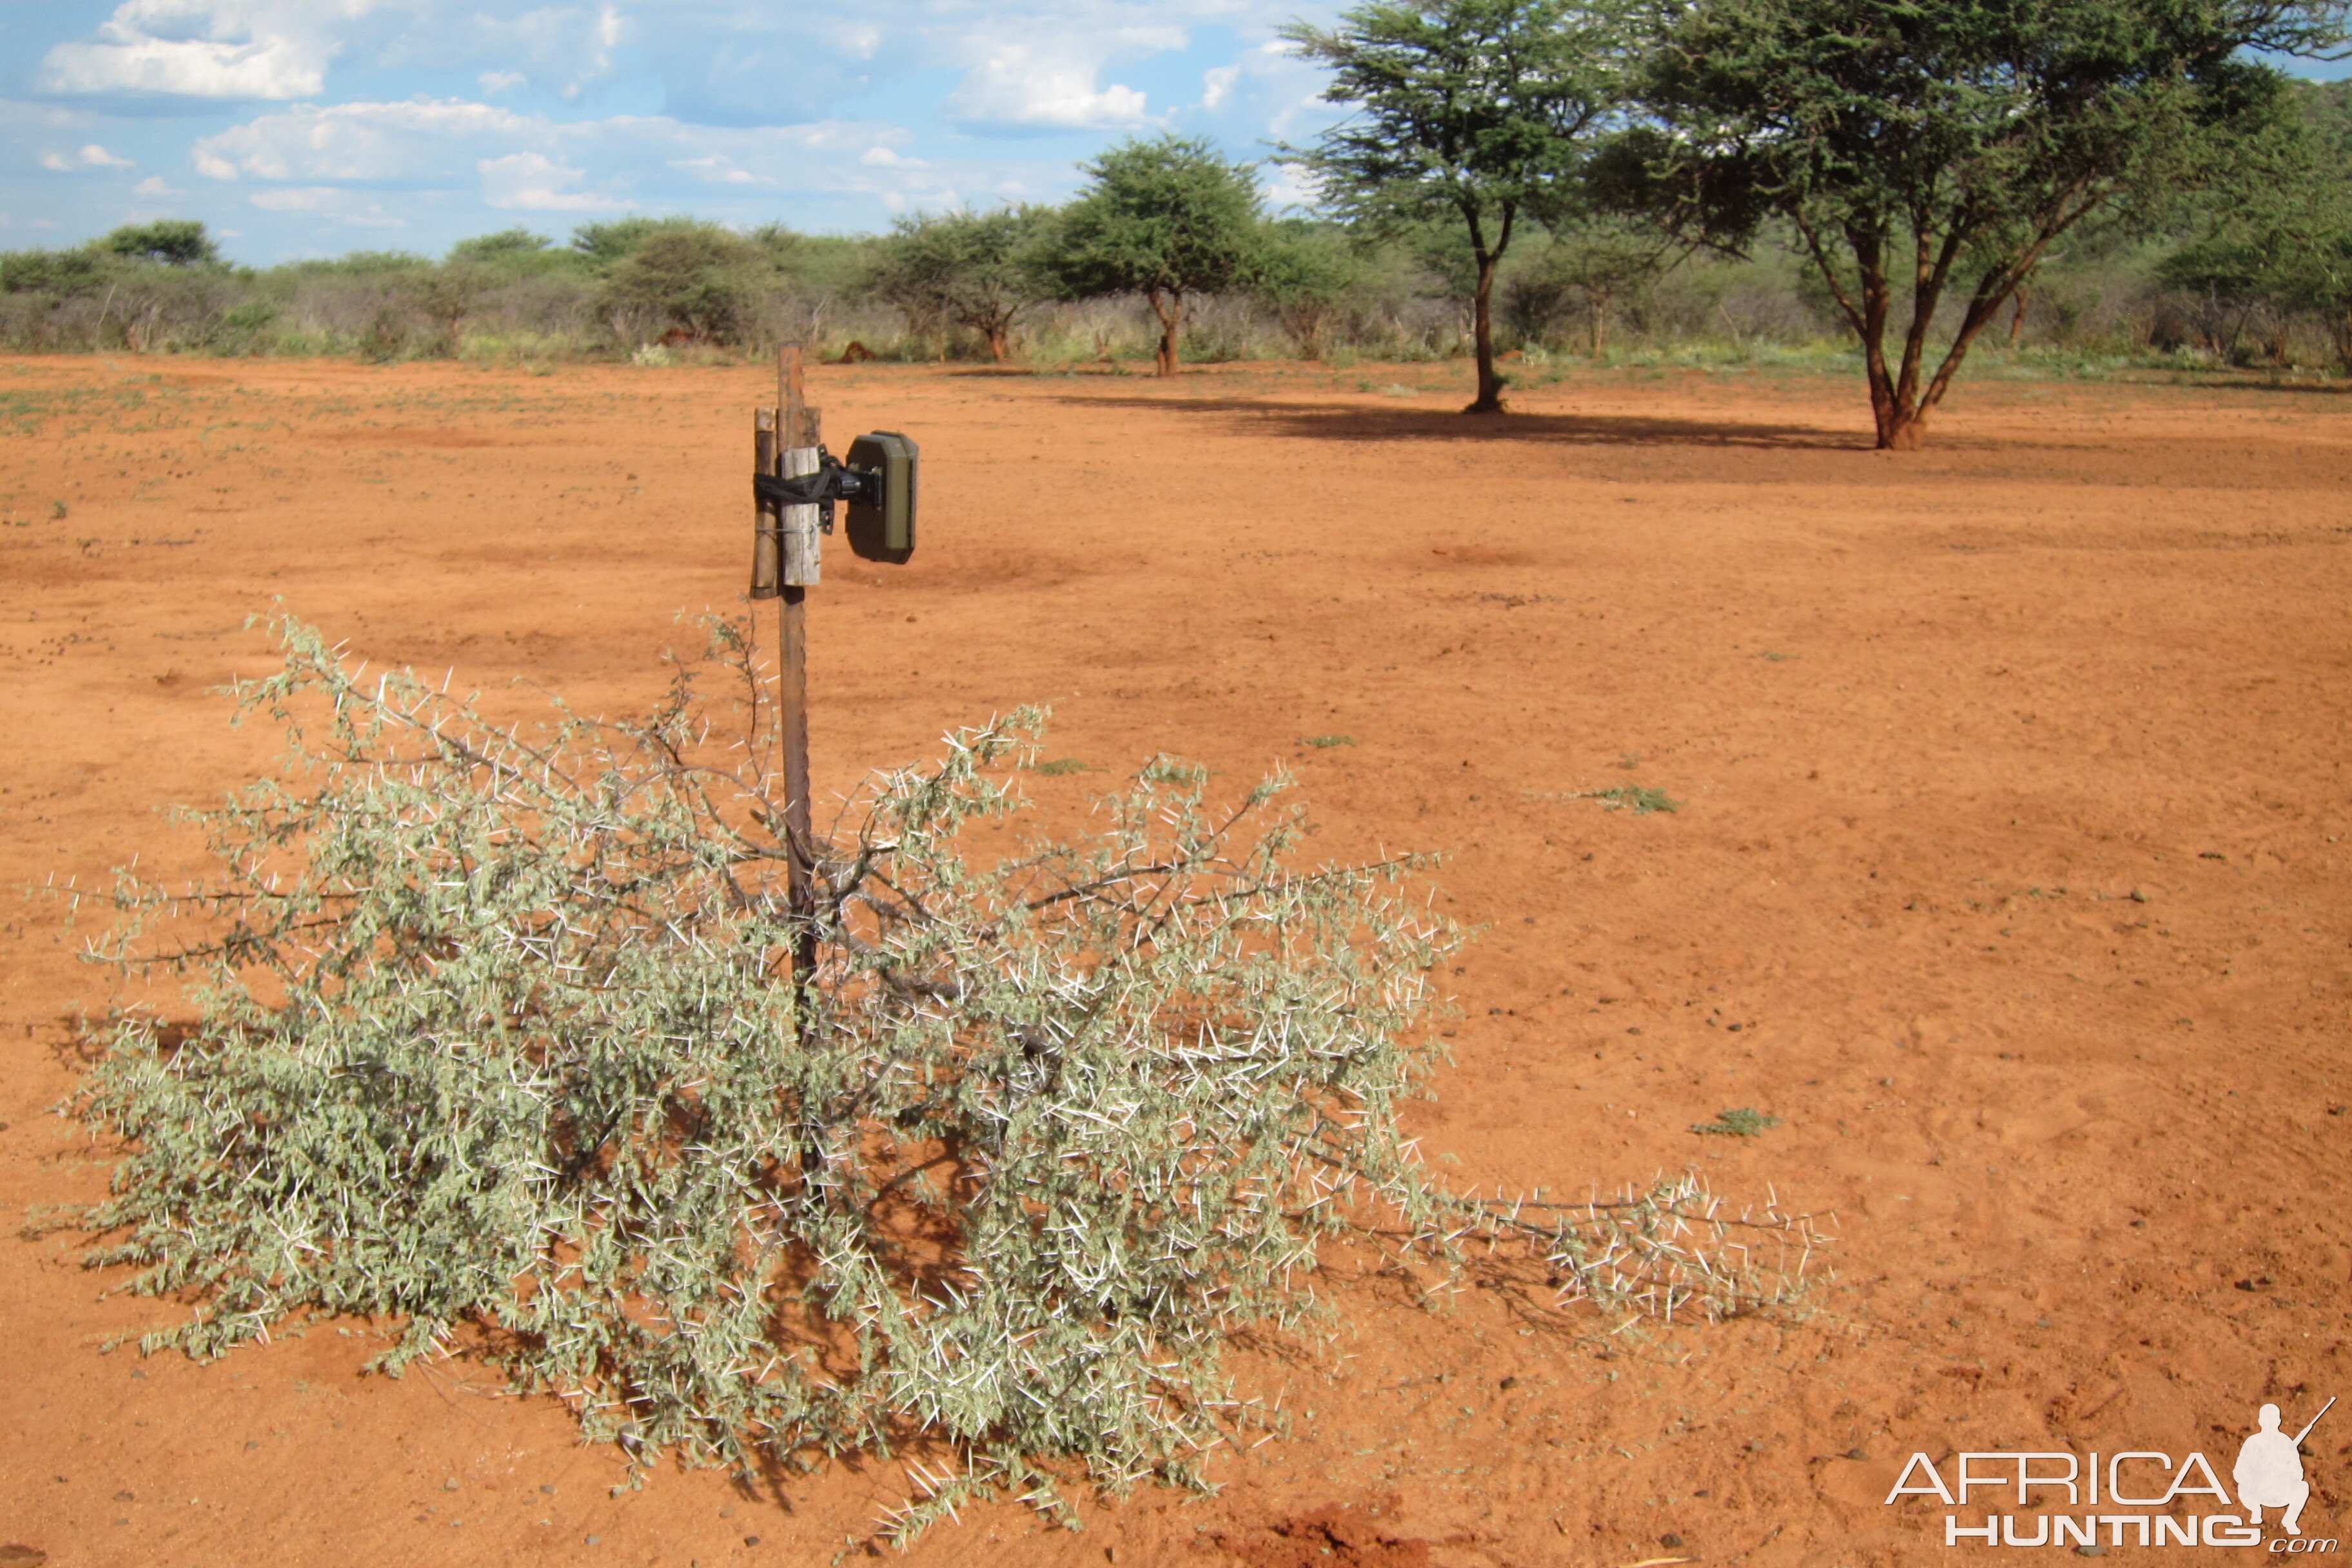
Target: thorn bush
496	1036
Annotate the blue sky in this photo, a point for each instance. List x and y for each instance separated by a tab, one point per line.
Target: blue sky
300	128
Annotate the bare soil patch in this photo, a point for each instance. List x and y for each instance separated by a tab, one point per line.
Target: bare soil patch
2008	867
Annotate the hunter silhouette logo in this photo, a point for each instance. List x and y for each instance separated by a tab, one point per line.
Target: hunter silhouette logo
2269	1471
2268	1475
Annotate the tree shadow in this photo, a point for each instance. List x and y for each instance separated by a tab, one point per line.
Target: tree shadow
1355	422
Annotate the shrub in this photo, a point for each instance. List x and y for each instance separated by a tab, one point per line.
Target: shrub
498	1035
692	281
969	269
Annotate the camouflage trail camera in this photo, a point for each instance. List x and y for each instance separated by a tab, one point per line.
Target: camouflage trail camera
882	505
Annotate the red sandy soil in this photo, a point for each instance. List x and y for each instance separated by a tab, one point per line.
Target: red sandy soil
2012	833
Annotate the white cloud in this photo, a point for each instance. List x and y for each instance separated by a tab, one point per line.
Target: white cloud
359	141
748	128
91	156
297	199
713	167
532	162
1287	186
1042	87
347	208
561	48
154	185
203	49
532	181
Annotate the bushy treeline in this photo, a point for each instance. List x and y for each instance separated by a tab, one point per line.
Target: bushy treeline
2240	275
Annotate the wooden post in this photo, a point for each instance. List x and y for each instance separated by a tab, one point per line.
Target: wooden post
765	522
796	438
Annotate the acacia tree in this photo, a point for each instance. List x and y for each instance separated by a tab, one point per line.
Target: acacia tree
170	242
2284	236
971	269
1477	112
1922	151
1163	219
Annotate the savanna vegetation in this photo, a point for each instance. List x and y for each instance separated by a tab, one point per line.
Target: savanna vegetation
989	1140
1834	180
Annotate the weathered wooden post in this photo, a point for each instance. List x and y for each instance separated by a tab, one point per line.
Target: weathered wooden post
787	559
795	483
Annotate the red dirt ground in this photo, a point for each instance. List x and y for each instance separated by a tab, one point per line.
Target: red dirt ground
2013	792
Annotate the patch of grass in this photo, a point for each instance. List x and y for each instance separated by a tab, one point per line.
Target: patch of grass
1061	765
1642	798
1398	389
1773	658
1330	741
1739	1122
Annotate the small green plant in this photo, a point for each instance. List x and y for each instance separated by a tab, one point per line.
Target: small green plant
1739	1122
1327	741
1061	765
1642	799
57	512
496	1036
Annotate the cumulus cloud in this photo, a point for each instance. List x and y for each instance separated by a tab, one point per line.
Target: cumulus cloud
533	182
297	199
360	141
154	185
752	124
567	50
1287	186
91	156
1044	86
532	162
350	210
721	170
203	48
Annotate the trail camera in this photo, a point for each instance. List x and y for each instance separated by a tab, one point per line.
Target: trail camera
879	483
882	508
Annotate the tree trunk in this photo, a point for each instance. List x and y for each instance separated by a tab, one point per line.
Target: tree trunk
1899	406
1900	429
1482	335
2017	318
1169	306
999	341
1482	314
